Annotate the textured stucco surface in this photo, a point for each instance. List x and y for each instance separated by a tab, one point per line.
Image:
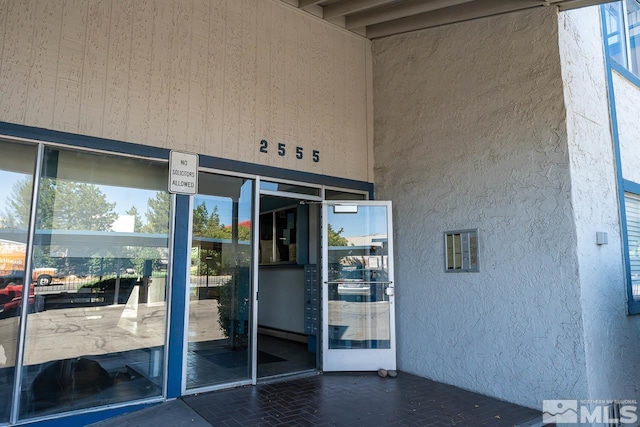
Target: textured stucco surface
470	132
611	337
627	97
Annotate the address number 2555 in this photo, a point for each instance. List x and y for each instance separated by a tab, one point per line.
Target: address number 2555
282	151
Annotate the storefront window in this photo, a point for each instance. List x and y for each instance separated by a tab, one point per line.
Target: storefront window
16	170
219	303
96	323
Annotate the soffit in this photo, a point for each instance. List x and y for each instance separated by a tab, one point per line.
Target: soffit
380	18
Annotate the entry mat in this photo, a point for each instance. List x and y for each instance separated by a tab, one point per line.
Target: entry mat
235	358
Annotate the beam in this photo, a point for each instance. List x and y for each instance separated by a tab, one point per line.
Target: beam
575	4
464	12
402	10
349	7
306	3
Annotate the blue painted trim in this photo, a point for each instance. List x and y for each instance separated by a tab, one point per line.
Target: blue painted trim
631	187
625	73
87	417
178	296
281	173
633	307
84	141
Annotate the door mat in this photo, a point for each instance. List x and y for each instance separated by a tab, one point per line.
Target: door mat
236	359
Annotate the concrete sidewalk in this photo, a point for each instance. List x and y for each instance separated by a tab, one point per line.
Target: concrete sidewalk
173	413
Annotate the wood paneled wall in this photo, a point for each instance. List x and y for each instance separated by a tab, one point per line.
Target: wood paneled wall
208	76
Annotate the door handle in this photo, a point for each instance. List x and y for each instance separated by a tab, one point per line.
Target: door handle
358	281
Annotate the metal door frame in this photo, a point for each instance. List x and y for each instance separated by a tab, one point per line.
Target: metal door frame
357	359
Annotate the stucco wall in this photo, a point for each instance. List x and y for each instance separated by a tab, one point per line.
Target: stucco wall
611	337
627	97
210	76
470	132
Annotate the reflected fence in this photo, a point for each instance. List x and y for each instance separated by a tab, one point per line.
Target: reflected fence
106	283
73	291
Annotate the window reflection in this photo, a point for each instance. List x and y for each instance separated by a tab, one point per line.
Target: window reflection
633	18
16	168
96	328
219	307
358	273
623	32
632	210
616	39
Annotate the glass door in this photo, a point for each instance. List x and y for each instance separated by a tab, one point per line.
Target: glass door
358	293
219	334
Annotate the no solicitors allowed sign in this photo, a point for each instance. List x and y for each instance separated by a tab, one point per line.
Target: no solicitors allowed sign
183	173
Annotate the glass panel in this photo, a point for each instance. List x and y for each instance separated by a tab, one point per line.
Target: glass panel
16	175
450	257
632	208
457	251
283	224
358	278
473	251
343	195
219	303
633	21
96	329
289	188
616	37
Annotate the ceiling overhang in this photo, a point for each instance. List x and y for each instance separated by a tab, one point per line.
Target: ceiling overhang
380	18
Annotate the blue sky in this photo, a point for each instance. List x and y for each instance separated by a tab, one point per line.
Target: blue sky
360	224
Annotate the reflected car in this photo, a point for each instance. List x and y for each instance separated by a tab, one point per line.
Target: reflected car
11	298
354	288
359	281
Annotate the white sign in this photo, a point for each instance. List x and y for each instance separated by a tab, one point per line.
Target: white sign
183	173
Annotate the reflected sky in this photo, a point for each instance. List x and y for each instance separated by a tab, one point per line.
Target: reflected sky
369	220
125	198
8	180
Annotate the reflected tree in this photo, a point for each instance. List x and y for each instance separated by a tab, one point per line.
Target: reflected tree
62	205
158	214
335	238
209	225
137	227
19	204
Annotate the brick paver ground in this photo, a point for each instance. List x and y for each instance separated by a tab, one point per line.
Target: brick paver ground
357	399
